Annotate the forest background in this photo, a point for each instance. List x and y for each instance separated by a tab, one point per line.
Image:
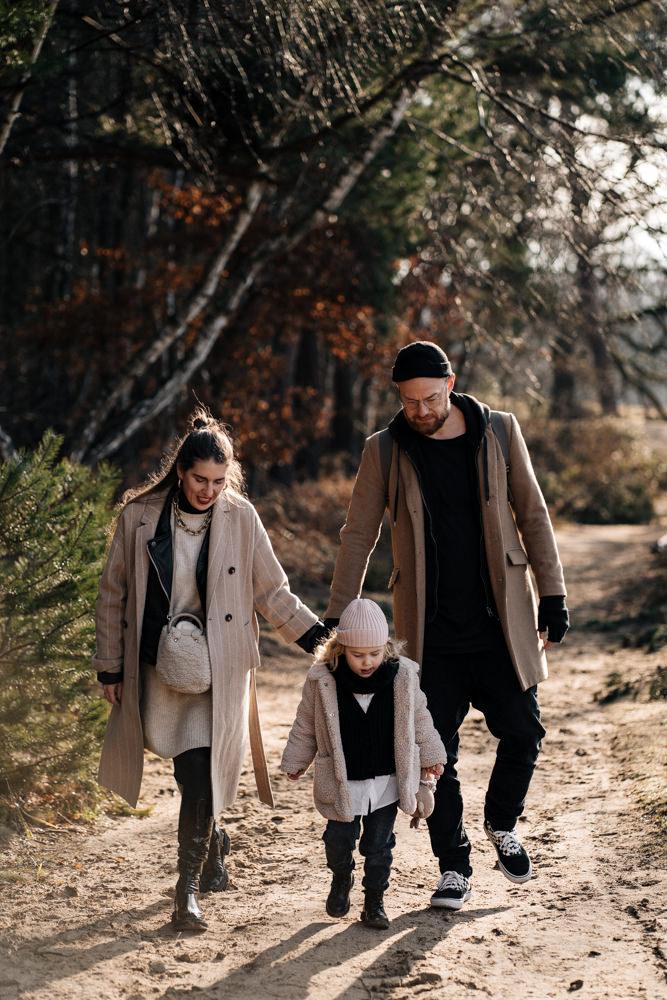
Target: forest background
254	204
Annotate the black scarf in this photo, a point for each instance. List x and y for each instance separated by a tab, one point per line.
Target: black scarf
349	681
367	736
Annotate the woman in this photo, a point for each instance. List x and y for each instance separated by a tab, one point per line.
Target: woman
189	541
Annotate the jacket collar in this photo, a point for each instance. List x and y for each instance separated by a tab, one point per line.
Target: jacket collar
157	511
476	415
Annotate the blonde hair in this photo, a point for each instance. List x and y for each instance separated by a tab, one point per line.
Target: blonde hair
330	650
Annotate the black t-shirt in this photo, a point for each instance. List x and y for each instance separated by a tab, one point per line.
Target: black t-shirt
457	618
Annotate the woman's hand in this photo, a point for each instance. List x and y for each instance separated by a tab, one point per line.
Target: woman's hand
297	774
113	692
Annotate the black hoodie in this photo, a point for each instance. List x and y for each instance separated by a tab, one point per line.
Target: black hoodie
460	613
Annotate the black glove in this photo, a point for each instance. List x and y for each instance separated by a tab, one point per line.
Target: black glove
331	624
552	617
311	639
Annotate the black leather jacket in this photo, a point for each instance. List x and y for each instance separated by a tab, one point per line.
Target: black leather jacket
158	590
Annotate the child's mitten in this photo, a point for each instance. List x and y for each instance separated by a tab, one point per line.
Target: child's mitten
425	801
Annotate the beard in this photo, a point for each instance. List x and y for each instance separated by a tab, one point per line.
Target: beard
431	424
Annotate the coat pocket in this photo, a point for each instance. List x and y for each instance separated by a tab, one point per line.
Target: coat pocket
324	785
517	557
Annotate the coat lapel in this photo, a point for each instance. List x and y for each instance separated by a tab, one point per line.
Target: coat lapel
145	531
219	541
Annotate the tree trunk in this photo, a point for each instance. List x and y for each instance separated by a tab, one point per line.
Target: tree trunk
64	276
308	377
564	404
594	337
342	425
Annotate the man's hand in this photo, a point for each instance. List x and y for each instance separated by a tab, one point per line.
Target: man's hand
553	620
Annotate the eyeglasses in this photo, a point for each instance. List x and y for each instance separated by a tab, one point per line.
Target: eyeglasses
430	402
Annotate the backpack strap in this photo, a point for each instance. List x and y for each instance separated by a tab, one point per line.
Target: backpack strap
499	428
386	448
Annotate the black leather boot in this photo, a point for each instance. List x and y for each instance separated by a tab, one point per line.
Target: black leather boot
338	900
194	836
214	875
373	914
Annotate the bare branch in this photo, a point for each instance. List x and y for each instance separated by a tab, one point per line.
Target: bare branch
194	307
207	338
25	79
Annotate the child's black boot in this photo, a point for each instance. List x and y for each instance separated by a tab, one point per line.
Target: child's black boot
373	913
338	900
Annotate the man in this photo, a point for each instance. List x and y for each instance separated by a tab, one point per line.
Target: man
467	526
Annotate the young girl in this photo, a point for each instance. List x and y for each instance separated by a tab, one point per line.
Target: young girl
363	718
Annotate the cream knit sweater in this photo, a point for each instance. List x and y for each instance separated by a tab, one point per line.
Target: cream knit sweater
176	722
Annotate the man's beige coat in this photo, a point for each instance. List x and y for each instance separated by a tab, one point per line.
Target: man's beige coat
518	539
243	575
315	735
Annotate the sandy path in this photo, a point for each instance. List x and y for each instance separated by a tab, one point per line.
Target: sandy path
592	921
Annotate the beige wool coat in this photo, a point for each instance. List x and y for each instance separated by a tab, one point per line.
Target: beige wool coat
243	575
315	735
518	538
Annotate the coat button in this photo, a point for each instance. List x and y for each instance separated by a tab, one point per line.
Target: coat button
228	618
232	569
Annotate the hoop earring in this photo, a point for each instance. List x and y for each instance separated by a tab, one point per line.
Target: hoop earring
180	483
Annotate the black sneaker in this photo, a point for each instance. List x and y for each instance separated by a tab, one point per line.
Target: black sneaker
452	892
512	858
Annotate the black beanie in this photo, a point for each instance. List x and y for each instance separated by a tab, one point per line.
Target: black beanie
422	359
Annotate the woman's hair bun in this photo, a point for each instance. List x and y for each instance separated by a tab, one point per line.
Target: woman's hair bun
198	423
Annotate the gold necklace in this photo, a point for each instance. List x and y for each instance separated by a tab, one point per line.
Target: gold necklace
181	522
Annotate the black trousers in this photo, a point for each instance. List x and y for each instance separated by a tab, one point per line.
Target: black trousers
487	681
375	846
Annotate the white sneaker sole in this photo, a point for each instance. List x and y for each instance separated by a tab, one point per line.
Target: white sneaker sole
450	904
517	879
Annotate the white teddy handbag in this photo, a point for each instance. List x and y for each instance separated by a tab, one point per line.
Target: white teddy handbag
182	655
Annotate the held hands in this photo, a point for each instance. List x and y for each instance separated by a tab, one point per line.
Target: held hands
425	793
435	771
297	774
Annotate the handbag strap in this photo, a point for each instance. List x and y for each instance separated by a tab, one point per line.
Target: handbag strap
186	614
260	768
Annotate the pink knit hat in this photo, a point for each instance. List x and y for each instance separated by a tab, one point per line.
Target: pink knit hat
362	624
